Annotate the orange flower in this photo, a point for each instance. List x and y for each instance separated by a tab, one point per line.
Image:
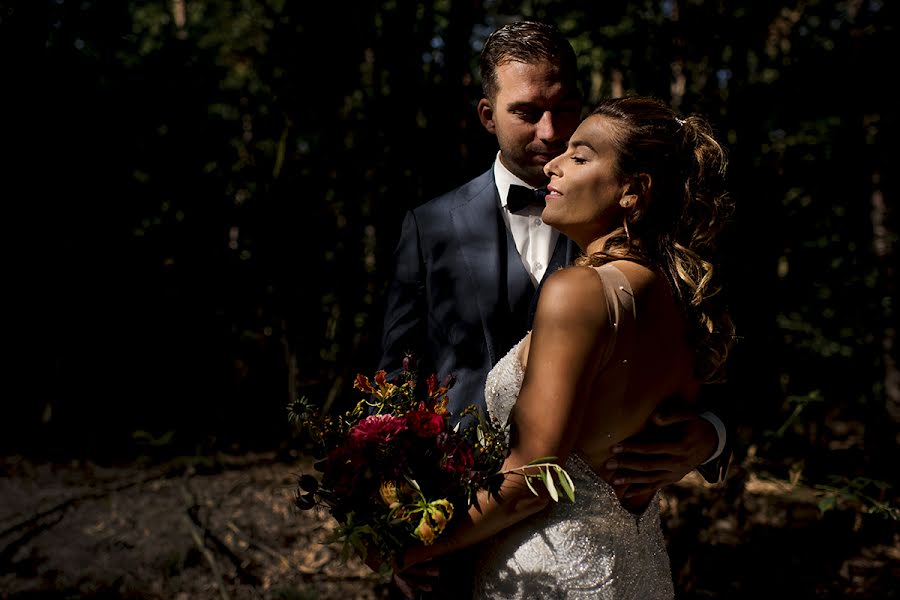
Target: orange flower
434	519
440	511
385	389
362	384
380	378
389	494
424	531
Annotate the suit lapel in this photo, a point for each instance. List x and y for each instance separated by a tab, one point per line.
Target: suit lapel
477	224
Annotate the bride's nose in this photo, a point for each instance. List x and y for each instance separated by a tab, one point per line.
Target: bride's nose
551	168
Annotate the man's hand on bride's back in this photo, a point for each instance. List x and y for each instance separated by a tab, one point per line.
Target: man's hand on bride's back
676	444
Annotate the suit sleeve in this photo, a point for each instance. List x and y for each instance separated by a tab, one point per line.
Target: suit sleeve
405	303
713	397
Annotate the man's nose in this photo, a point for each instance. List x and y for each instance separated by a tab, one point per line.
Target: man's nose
548	128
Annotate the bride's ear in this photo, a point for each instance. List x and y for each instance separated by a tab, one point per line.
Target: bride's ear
642	185
627	200
486	115
638	193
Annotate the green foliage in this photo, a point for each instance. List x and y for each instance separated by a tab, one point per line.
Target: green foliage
869	493
799	403
548	473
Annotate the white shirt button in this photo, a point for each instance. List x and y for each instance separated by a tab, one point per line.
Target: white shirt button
537	223
538	267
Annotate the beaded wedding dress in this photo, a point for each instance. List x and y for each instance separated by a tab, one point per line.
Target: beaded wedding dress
592	548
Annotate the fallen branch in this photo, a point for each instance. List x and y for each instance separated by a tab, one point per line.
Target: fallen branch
210	559
193	512
63	506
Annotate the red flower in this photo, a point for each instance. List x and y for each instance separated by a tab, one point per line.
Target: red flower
432	384
457	455
379	429
425	423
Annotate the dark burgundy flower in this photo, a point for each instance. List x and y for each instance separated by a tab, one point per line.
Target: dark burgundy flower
378	429
341	470
457	454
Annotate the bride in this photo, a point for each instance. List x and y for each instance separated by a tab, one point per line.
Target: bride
636	321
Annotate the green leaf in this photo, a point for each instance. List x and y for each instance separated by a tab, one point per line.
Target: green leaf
566	483
412	482
826	503
530	487
359	546
548	483
543	459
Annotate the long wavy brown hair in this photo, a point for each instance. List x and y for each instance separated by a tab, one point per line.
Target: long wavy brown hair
675	224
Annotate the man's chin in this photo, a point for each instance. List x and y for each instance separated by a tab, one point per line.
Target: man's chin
537	173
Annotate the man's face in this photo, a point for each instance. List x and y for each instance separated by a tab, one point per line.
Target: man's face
532	116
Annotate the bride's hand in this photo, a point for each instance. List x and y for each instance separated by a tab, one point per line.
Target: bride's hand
374	560
417	577
420	577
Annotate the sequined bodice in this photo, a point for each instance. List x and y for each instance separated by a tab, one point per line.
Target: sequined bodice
592	548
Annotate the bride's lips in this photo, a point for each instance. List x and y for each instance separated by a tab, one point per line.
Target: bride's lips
552	192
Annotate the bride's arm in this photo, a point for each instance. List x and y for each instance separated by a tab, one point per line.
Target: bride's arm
567	342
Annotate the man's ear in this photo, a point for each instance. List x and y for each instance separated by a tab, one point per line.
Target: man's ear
486	115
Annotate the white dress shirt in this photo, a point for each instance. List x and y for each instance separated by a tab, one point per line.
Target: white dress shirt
534	239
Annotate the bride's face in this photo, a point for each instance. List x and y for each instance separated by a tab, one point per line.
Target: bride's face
584	191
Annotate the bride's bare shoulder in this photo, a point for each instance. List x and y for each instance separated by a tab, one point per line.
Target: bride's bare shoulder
571	284
570	293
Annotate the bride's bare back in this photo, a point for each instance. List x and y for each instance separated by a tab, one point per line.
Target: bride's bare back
639	357
596	546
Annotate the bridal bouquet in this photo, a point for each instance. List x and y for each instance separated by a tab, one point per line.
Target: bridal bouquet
396	467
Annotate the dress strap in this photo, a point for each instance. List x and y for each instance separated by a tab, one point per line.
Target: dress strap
622	311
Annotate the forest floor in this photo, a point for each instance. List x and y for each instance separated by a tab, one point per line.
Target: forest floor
225	528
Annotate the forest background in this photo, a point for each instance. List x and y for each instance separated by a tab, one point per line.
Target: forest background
204	199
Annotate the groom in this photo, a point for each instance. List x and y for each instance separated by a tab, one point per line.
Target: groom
469	263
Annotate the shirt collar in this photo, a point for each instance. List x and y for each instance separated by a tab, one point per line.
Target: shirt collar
504	178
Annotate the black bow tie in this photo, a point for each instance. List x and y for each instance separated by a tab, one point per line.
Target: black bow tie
520	197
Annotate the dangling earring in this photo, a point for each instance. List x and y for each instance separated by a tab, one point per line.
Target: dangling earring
627	202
